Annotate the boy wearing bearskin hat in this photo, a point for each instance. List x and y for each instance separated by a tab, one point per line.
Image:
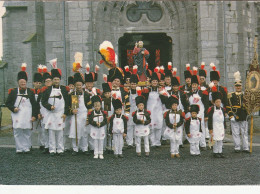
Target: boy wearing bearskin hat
127	76
134	79
55	100
238	115
193	128
168	76
174	121
118	127
215	77
183	104
200	98
216	123
187	75
203	76
142	119
47	80
155	102
21	101
79	114
97	119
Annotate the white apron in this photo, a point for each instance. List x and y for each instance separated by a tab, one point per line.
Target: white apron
118	125
118	95
196	99
218	125
154	105
54	120
180	106
22	119
133	108
140	129
194	131
169	133
81	120
95	132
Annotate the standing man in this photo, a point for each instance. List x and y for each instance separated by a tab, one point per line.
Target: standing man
187	75
238	115
55	100
21	101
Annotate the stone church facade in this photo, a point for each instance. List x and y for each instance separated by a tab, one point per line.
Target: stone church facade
183	32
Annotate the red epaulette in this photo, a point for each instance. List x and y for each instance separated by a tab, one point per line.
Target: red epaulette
89	113
187	119
67	88
44	88
205	92
164	115
126	117
149	112
183	114
39	91
33	90
225	89
224	109
126	90
209	109
145	90
105	112
199	88
133	113
199	118
180	87
98	91
10	90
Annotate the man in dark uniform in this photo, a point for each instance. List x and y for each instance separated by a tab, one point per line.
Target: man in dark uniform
203	76
238	115
187	75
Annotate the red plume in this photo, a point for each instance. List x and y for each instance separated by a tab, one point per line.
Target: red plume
214	89
161	69
23	67
105	78
44	69
156	69
195	70
188	67
135	69
96	68
202	65
87	68
169	65
39	69
127	68
138	91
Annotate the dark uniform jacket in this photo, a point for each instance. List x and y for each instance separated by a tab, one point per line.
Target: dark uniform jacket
46	94
91	118
184	100
146	115
185	88
167	120
210	117
187	124
223	91
12	95
235	106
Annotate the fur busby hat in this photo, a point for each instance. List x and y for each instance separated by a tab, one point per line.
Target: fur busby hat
37	77
134	78
214	75
127	72
187	72
215	93
70	80
194	108
46	75
116	72
195	79
106	87
175	81
202	71
90	77
22	74
78	77
237	77
116	103
173	100
96	98
155	76
55	72
168	73
162	76
139	99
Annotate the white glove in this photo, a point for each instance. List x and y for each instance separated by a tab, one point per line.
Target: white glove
232	119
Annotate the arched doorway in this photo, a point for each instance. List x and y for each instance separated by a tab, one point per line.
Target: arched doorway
159	46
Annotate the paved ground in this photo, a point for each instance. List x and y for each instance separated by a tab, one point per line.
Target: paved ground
158	169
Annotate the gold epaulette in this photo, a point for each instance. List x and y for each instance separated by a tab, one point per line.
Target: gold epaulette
230	95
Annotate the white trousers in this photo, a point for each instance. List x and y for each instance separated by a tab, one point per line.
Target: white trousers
138	144
22	139
155	137
217	147
203	134
118	143
82	144
41	137
109	142
237	127
207	129
45	136
174	149
98	146
56	143
67	142
194	148
130	135
163	129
